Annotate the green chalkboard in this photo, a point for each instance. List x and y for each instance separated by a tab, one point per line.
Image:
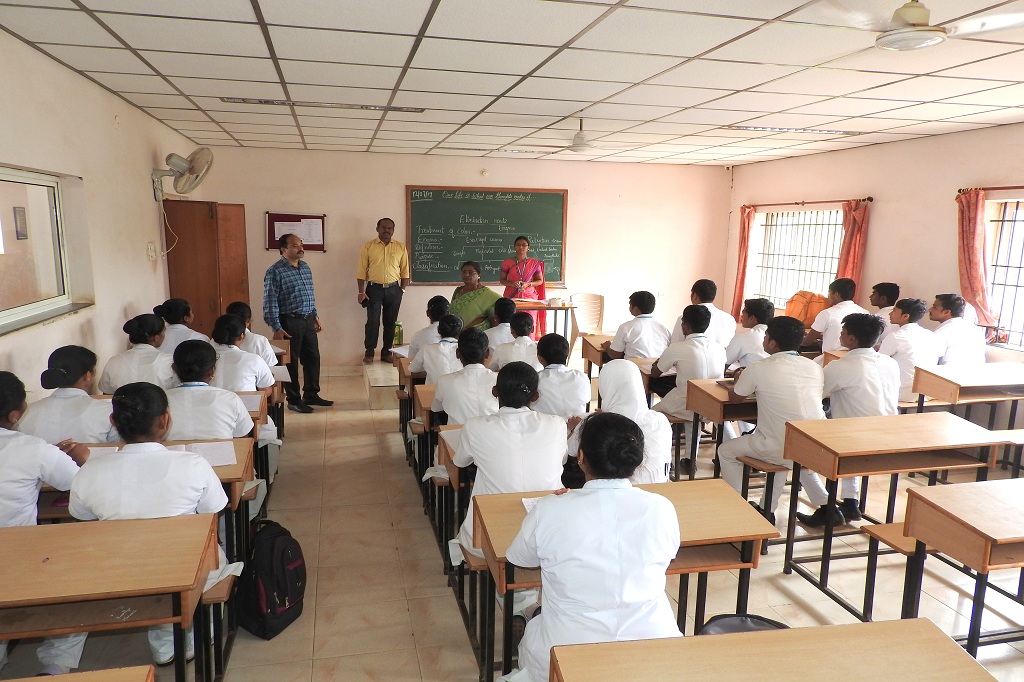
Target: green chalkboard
450	225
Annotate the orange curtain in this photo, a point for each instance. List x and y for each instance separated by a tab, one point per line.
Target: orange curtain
855	238
746	220
971	255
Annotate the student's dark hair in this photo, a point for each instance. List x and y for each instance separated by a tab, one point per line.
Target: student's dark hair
554	348
644	301
517	382
227	329
173	310
705	290
136	406
504	309
142	328
613	445
12	393
787	332
845	287
697	317
67	365
473	264
761	309
954	303
890	291
449	326
239	309
472	345
521	324
194	359
915	308
282	241
437	307
864	327
522	237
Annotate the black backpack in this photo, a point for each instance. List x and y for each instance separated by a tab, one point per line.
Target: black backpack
269	597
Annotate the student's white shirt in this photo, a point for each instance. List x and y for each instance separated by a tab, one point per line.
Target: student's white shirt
911	346
141	362
721	330
69	413
421	338
515	450
862	383
175	334
602	551
829	323
788	387
145	481
239	370
960	342
883	315
641	337
259	345
695	357
26	462
499	334
747	347
466	393
202	412
436	359
563	392
520	349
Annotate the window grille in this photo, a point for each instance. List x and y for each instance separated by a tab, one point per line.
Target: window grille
1006	290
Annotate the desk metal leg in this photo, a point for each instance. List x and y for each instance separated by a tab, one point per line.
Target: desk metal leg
977	611
684	595
487	616
869	580
230	534
506	621
178	638
702	598
920	402
787	566
694	445
743	587
832	486
912	581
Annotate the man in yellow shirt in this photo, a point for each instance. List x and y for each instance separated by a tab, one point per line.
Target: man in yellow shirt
382	276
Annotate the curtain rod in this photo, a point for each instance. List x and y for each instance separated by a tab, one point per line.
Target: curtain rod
812	203
989	189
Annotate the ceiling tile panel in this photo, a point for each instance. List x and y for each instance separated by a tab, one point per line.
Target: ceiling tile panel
754	9
414	127
512	21
928	88
242	117
259	128
710	116
158	101
337	122
662	128
822	81
337	147
433	116
546	107
469	55
192	114
556	88
938	127
934	111
55	26
665	95
1010	96
708	73
273	145
796	44
207	134
950	53
851	106
340	46
211	66
208	87
636	112
116	60
126	82
652	31
188	35
431	100
339	113
790	120
593	65
999	117
267	137
405	135
332	73
194	126
514	120
326	93
1006	67
227	10
413	144
387	16
763	101
866	125
430	80
214	142
635	138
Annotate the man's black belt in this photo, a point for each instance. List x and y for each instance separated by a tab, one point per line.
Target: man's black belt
301	316
385	286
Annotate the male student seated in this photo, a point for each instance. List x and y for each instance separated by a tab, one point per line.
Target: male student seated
563	392
959	341
748	345
438	359
469	391
501	329
884	296
437	307
641	337
863	383
911	345
829	322
723	325
521	349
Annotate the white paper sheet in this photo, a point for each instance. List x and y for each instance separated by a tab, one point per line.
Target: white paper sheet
530	503
451	437
100	450
402	351
252	402
218	453
280	373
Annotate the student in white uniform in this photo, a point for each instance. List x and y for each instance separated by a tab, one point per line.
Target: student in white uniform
26	463
237	370
641	337
747	346
911	345
144	480
143	361
468	392
563	392
884	296
437	307
438	359
200	411
788	387
602	552
69	412
723	325
252	342
862	383
829	322
177	313
959	341
521	349
501	326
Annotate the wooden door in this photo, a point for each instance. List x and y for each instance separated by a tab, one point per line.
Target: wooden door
234	260
193	261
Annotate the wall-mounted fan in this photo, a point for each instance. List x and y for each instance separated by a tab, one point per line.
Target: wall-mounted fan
188	173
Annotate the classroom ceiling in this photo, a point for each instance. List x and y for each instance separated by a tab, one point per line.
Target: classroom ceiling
654	81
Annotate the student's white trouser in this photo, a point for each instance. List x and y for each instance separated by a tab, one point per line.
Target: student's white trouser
63	651
732	470
848	487
161	643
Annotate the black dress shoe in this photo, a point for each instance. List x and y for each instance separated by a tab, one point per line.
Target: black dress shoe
385	357
317	400
820	517
851	509
300	407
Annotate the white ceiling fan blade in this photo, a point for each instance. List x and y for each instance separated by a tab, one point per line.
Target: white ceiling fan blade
858	18
990	24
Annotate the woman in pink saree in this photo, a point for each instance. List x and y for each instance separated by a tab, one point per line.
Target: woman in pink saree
523	278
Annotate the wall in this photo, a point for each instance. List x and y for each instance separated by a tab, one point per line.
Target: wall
630	226
53	120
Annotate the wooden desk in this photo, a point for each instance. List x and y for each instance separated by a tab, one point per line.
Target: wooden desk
980	525
276	402
830	355
912	649
540	306
259	415
141	673
708	399
991	383
284	355
106	575
645	365
593	354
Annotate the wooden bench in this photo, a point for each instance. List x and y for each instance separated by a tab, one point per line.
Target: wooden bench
678	431
891	535
1016	436
473	600
215	641
770	470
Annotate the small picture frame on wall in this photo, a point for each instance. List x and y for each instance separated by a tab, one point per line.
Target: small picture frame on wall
20	223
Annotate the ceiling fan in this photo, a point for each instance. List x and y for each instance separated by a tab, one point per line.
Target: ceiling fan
580	144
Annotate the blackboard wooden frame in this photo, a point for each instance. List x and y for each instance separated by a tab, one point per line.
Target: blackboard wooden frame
409	189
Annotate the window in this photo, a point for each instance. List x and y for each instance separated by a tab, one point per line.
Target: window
33	263
1006	281
792	251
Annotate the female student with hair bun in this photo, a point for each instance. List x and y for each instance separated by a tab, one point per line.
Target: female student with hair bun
602	552
251	341
198	410
141	362
177	313
69	412
237	370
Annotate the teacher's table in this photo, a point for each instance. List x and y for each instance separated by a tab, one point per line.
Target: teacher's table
908	649
980	525
865	446
106	575
990	383
729	539
141	673
593	354
540	306
709	399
